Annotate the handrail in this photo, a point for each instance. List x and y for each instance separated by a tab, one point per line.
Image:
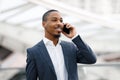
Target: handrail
79	65
13	68
100	65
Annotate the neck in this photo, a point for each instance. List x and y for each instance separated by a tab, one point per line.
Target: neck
52	38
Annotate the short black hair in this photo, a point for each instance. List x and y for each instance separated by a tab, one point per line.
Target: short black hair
45	15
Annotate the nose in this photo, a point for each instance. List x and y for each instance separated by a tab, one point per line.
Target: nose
60	24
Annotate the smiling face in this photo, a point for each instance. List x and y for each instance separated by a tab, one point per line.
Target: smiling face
53	25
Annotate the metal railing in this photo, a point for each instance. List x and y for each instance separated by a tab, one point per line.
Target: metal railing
99	71
115	64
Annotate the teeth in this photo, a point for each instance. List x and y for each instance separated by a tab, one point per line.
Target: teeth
59	29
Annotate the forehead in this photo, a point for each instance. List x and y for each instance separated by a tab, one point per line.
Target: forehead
54	15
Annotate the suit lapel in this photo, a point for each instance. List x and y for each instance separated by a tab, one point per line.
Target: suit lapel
64	48
46	56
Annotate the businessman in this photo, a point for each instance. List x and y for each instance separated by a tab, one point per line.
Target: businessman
55	59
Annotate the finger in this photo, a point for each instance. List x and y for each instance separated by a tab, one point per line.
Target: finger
68	26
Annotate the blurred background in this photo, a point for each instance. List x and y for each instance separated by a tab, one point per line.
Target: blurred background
97	21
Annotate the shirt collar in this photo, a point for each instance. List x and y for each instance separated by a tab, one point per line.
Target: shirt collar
49	42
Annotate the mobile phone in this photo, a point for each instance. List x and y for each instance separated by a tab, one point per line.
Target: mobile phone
66	29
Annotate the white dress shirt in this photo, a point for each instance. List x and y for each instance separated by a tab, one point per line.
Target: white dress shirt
57	58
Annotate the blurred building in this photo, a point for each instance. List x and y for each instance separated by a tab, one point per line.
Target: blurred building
97	21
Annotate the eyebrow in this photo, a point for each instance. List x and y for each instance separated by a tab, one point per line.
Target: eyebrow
57	18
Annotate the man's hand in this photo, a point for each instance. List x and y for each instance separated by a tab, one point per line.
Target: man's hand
72	31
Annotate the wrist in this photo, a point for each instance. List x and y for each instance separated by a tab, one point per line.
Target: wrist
74	36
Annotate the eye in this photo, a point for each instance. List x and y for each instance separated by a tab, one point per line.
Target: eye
54	20
61	20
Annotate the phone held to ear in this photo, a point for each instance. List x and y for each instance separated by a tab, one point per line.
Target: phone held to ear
66	30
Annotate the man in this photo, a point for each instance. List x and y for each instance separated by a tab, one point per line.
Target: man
54	59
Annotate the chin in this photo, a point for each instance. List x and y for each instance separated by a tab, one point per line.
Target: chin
57	36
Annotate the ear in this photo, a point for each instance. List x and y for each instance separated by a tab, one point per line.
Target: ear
43	24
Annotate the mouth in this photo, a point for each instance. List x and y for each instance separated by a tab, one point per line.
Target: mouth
58	29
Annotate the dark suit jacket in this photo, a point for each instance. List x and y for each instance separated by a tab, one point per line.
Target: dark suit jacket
40	65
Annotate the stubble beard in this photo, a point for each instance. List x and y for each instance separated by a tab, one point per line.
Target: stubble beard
57	36
54	35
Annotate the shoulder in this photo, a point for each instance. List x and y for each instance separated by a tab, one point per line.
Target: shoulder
68	44
33	51
35	47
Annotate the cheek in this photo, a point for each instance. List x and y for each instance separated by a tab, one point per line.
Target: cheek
49	28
